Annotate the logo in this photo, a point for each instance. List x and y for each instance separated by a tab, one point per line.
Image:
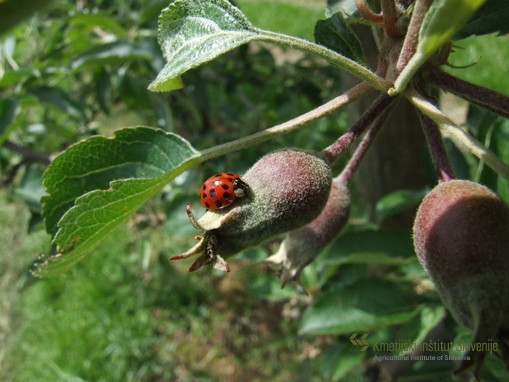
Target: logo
361	341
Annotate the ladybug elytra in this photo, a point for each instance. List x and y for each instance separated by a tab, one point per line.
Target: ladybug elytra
220	190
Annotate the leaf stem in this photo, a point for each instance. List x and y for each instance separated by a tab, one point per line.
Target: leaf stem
353	163
437	149
331	56
488	99
327	108
334	151
460	138
367	13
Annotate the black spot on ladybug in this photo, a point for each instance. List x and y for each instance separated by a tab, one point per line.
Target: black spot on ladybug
218	203
230	174
217	176
226	195
225	186
207	205
212	193
204	187
204	195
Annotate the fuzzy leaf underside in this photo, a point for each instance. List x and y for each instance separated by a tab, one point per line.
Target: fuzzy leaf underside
97	184
442	21
194	32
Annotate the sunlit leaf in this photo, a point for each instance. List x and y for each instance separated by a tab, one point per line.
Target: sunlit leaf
442	21
194	32
97	184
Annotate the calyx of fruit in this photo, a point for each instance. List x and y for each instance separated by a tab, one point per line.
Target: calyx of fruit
287	189
461	236
301	246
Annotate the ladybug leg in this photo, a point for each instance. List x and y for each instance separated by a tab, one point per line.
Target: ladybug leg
217	261
191	217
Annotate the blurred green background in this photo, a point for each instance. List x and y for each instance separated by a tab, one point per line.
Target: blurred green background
125	313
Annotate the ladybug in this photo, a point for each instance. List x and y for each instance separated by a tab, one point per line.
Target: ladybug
220	190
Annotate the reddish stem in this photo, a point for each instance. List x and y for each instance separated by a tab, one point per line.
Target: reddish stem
366	13
412	34
333	152
390	17
437	149
489	99
362	148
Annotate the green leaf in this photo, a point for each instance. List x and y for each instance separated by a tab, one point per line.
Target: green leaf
55	96
339	360
194	32
15	11
95	185
398	201
110	53
490	18
415	330
103	21
346	361
442	21
8	109
335	34
359	307
371	247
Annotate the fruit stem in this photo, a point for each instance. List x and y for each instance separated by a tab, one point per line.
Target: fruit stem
353	163
486	98
390	18
412	35
367	14
437	149
333	152
460	137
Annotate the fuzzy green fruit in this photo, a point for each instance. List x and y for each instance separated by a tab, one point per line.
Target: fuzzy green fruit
287	189
461	236
301	246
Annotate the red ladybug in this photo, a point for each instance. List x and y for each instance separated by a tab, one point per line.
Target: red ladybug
220	190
